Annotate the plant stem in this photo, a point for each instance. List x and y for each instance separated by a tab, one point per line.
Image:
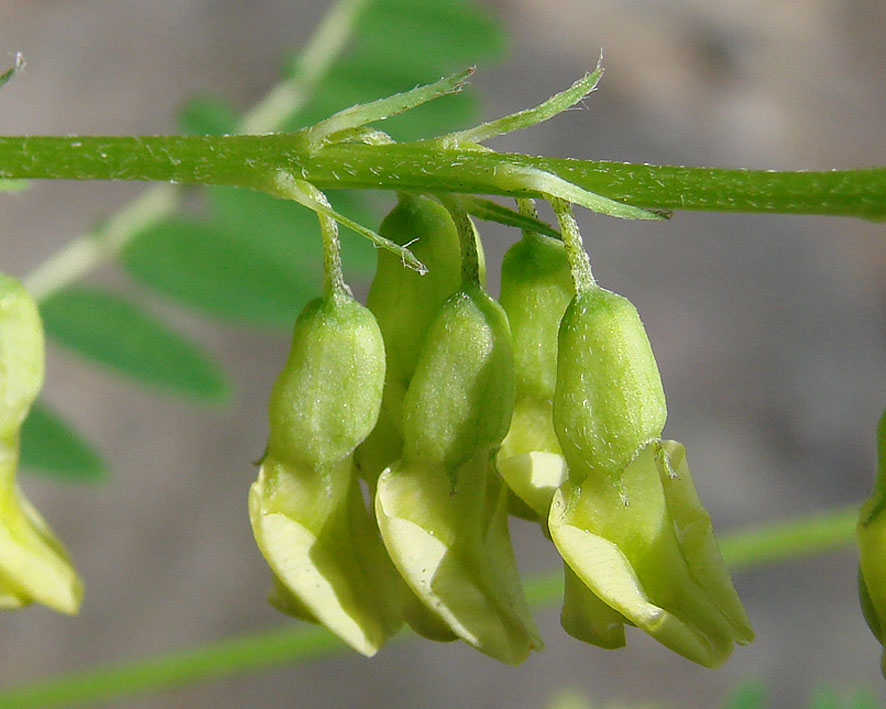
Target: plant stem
467	239
252	161
579	261
89	250
781	541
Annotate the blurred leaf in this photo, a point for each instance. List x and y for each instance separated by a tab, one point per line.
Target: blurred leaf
570	698
51	446
430	35
863	699
290	233
251	275
119	335
749	695
824	697
207	115
14	185
403	43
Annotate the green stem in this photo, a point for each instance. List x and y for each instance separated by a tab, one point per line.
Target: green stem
467	237
249	161
579	261
805	536
333	278
89	250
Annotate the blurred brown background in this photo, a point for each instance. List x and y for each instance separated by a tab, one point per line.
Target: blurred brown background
769	331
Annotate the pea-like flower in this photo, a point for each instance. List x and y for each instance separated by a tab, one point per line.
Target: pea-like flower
441	508
306	508
34	566
629	522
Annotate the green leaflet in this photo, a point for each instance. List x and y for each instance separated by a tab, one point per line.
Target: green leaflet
52	447
207	115
118	334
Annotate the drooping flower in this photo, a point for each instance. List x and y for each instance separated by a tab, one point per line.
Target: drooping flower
306	508
34	566
441	508
629	522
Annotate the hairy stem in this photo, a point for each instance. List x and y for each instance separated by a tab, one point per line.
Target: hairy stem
251	161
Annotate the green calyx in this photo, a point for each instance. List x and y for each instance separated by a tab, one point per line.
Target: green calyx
34	566
461	396
404	301
327	398
609	400
405	304
536	288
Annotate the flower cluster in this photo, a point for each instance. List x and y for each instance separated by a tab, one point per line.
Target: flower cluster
34	566
456	411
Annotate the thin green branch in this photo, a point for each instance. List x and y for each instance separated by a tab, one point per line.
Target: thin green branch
90	250
252	161
781	541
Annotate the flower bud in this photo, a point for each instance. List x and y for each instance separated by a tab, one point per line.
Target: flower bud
609	401
461	397
405	304
327	398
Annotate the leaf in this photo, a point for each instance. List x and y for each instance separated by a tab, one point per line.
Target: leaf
14	185
290	233
51	446
207	115
751	694
430	36
403	43
118	334
255	275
